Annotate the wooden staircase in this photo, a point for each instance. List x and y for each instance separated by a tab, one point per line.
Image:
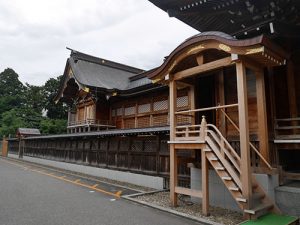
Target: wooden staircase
227	164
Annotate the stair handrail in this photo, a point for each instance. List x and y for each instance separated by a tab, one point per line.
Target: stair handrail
251	145
234	162
225	141
206	109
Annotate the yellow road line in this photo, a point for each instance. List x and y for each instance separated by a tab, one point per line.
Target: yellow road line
76	182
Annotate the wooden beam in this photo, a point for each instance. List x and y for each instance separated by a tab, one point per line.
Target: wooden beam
244	133
187	191
203	68
262	115
205	184
173	155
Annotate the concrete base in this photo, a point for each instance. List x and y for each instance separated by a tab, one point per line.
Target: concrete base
137	179
288	199
219	194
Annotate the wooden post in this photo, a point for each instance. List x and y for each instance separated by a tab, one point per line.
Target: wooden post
4	147
244	133
205	185
20	147
262	115
221	95
291	90
192	102
173	156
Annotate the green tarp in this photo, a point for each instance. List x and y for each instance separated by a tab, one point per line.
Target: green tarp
272	219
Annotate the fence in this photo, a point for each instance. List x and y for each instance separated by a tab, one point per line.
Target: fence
144	154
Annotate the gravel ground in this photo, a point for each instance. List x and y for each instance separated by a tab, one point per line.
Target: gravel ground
219	215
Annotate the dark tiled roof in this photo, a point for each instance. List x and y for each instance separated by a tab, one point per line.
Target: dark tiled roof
116	132
28	131
97	72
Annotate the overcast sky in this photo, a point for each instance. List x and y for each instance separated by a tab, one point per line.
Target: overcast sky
34	34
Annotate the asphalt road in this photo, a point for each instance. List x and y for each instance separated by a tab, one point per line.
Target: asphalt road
30	196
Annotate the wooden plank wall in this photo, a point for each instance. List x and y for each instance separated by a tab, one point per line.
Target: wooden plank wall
148	111
138	154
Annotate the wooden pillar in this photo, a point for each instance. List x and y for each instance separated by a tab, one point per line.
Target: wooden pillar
291	90
205	186
4	147
173	156
192	103
221	100
244	133
262	115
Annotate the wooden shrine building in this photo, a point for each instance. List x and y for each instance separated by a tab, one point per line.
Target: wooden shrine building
246	88
107	95
225	101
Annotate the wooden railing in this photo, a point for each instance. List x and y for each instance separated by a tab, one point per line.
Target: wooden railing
287	128
251	145
91	122
193	131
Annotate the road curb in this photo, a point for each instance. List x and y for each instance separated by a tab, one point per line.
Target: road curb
174	212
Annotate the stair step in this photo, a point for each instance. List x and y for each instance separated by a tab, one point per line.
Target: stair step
220	168
259	208
207	150
213	159
226	178
241	199
258	195
233	189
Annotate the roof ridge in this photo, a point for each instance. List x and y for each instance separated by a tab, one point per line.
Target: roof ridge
105	62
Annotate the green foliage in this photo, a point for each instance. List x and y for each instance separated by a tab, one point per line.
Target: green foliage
10	122
54	110
11	91
23	106
53	126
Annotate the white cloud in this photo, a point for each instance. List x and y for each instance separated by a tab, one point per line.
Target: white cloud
34	34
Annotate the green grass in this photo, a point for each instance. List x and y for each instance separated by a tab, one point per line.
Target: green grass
272	219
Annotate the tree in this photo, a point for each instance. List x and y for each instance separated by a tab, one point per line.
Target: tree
54	110
23	106
53	126
10	83
11	91
34	98
10	122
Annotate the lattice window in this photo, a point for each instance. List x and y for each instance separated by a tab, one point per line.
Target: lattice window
129	110
182	101
144	108
150	145
160	105
137	145
119	112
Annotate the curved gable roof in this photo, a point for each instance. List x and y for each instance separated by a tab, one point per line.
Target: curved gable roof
221	41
